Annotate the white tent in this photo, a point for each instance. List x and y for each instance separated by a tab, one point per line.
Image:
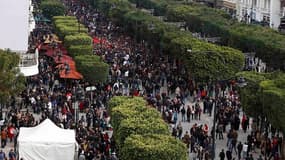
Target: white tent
46	142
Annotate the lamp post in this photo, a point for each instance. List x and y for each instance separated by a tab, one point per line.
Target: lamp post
79	95
91	89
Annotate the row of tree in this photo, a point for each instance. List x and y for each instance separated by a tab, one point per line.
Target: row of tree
204	61
264	95
140	133
80	46
268	44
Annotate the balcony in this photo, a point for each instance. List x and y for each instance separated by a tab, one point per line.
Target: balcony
29	64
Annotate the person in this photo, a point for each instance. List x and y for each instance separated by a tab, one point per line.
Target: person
81	156
229	155
2	155
250	157
239	147
245	150
260	157
12	155
222	155
3	137
186	139
114	157
183	111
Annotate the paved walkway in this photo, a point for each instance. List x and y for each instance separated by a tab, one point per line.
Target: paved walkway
220	144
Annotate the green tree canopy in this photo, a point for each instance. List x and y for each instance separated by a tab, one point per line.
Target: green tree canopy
92	67
267	43
153	147
172	40
132	119
52	8
12	81
264	95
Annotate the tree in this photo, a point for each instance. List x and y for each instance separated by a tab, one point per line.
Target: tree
264	96
93	68
52	8
202	67
12	82
140	132
251	97
153	147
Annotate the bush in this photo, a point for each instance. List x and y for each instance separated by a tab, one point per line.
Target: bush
54	18
137	124
153	147
93	68
52	8
80	50
132	120
68	25
78	39
121	100
132	109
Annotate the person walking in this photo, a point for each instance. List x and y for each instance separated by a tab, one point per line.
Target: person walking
222	155
12	155
3	137
239	148
183	112
229	155
2	155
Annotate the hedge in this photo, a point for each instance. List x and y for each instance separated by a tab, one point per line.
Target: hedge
80	50
139	125
153	147
52	8
92	67
131	118
132	109
120	100
77	39
54	18
67	25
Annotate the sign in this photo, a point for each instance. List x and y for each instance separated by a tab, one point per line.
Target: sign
91	88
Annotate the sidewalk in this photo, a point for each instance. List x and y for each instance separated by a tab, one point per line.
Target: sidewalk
220	144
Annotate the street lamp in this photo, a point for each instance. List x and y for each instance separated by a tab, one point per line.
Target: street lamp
91	89
79	95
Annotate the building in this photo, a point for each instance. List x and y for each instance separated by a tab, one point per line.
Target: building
16	24
264	12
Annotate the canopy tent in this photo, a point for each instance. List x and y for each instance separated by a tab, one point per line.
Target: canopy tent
46	142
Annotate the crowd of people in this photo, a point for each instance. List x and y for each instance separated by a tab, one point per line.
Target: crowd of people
136	69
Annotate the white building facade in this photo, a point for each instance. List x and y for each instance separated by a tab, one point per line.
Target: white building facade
269	12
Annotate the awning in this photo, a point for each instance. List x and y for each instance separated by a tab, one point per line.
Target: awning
72	74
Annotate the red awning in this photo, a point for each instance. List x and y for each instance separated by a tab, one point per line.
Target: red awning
72	74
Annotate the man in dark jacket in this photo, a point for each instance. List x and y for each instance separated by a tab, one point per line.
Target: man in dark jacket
222	155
